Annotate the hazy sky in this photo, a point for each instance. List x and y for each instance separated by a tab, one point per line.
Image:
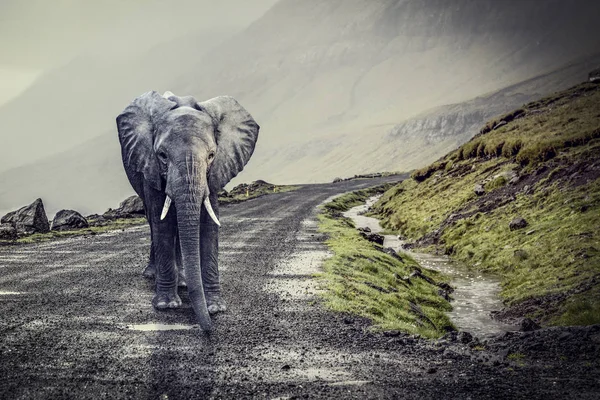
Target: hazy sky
39	34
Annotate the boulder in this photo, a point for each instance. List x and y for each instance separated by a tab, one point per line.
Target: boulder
594	76
392	252
373	237
479	190
67	220
132	205
517	223
528	325
28	219
336	180
464	337
7	232
365	229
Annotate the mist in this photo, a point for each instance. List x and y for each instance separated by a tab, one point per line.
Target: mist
340	87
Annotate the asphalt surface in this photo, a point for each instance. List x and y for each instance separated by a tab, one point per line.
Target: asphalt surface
71	310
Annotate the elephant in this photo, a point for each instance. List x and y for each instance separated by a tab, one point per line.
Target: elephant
178	153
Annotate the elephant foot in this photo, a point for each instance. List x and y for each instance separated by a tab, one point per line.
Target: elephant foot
149	272
181	279
165	300
215	302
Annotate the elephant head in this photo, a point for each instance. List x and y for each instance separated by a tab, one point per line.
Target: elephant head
186	150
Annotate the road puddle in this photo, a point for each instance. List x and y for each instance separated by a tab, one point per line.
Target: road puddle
160	327
475	294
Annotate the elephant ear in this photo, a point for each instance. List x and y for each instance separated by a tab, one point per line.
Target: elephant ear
235	133
136	133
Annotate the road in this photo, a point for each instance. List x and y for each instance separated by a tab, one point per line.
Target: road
76	322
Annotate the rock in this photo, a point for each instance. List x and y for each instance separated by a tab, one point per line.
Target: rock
521	254
373	237
517	223
29	219
336	180
499	125
365	229
68	220
594	76
392	252
132	205
286	367
479	190
464	337
443	294
8	232
528	325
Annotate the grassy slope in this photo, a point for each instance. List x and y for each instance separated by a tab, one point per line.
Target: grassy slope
553	146
363	280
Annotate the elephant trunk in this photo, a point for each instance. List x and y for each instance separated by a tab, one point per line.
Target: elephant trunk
188	220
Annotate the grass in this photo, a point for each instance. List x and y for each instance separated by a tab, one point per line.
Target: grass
362	280
553	145
52	235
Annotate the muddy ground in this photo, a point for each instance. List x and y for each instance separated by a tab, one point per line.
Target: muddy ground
67	308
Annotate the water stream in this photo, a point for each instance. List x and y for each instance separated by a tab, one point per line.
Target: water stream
475	294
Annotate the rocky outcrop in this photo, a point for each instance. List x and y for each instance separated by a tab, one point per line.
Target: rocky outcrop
517	223
372	237
67	220
479	190
594	76
7	232
29	219
131	207
245	188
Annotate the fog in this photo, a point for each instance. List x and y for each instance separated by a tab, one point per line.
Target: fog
37	35
339	87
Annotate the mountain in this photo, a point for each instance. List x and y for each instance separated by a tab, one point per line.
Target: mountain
338	88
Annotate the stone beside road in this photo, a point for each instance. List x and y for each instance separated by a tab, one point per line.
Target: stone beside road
68	220
28	219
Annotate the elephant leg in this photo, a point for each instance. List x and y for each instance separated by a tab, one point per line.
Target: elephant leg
150	270
163	248
209	253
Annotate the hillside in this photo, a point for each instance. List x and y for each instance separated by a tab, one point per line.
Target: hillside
522	200
339	88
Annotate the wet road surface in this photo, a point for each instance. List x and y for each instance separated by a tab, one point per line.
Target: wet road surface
76	322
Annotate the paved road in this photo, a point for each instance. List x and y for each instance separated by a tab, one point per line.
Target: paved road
71	313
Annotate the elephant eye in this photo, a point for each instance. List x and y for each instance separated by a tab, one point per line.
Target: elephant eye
211	155
162	156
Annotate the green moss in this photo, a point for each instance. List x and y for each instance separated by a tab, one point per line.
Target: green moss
362	280
498	182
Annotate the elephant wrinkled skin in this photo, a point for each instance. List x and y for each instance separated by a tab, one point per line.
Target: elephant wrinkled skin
177	154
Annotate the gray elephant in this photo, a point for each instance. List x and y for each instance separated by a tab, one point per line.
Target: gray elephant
178	154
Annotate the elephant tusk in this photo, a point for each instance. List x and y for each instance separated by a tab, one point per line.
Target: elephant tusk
165	209
210	211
